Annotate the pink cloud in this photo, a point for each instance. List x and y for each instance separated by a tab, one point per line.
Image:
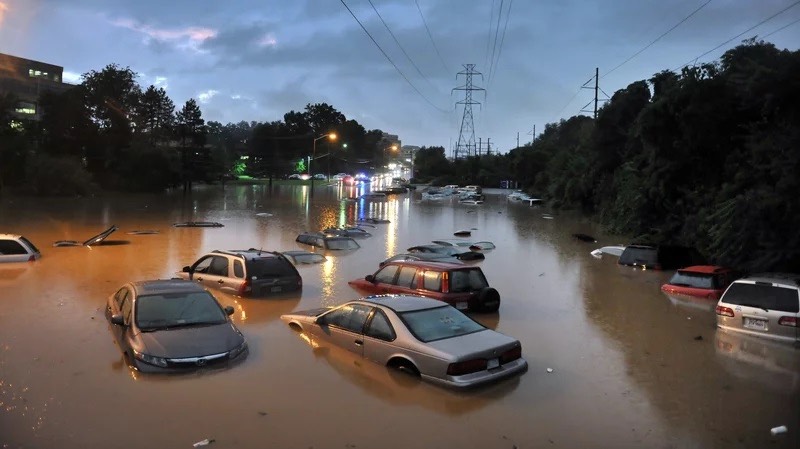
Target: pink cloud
188	37
3	9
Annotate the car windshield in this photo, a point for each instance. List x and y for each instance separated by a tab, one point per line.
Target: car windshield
762	296
269	267
345	243
30	245
168	310
639	256
695	280
439	323
467	280
304	258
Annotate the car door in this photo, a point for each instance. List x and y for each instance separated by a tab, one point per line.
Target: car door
379	336
211	271
406	281
344	327
13	251
383	279
122	303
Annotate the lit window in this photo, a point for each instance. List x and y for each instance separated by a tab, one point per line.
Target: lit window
30	72
37	73
16	125
26	108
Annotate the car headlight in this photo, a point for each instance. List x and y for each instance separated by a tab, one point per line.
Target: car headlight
152	360
238	350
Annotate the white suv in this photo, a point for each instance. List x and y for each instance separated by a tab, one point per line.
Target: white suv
16	248
764	305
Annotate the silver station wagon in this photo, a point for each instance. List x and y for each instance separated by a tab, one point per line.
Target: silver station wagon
764	305
420	336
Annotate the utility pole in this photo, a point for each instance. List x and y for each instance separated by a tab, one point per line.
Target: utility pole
596	89
517	139
480	145
489	146
466	136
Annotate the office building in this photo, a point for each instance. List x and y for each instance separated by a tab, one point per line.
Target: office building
27	80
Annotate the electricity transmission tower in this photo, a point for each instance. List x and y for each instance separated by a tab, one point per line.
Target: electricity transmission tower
466	136
596	89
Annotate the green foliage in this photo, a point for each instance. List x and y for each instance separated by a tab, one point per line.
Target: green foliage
56	175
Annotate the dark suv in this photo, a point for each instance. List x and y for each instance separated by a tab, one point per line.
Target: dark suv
250	272
660	257
462	286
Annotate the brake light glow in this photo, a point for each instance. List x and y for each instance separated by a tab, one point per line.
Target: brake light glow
511	355
245	288
724	311
466	367
790	321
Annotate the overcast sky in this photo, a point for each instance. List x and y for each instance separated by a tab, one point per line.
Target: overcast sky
257	59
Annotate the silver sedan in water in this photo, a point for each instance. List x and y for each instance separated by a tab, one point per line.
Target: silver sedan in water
417	335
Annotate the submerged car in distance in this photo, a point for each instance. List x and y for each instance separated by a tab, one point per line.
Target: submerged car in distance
16	248
452	251
660	257
472	245
252	272
347	231
764	305
417	335
431	257
462	286
301	257
327	242
702	281
172	326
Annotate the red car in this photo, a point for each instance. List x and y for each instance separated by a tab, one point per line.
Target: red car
704	281
462	286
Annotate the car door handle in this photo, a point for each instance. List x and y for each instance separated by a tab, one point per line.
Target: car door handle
220	281
359	342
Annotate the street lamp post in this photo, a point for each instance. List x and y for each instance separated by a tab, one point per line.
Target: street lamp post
331	136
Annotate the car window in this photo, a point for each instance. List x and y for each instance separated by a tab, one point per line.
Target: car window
467	280
238	269
379	327
386	275
120	297
407	277
432	281
203	264
11	247
126	308
345	243
30	245
763	296
695	280
269	268
639	256
439	323
219	266
349	316
178	309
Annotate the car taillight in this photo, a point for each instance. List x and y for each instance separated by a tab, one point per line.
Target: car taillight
724	311
788	321
31	258
511	355
245	288
466	367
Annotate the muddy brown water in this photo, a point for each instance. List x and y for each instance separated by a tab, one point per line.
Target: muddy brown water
628	369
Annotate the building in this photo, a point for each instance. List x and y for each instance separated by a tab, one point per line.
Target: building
389	141
27	80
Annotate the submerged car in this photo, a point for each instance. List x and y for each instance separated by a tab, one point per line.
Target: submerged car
431	257
452	251
764	305
95	240
660	257
462	286
327	242
250	272
704	281
301	257
474	246
417	335
347	231
16	248
172	326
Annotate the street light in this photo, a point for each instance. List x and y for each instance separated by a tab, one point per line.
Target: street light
331	136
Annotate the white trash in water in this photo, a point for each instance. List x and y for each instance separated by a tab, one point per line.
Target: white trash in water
549	370
778	430
205	442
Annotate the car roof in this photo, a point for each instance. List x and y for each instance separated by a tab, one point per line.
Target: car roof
10	236
248	254
705	269
160	286
429	264
788	279
403	303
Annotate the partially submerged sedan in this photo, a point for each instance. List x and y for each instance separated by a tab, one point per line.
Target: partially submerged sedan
452	251
173	326
417	335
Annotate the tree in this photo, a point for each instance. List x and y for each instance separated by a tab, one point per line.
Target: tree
192	133
155	115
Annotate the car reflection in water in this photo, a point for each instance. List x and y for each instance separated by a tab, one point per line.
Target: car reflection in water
691	302
774	365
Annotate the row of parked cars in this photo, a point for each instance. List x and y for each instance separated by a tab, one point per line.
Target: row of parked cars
765	305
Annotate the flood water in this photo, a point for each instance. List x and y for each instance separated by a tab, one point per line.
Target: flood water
628	368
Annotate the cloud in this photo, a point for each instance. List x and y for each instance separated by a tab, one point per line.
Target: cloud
184	38
3	9
267	40
161	81
205	97
71	77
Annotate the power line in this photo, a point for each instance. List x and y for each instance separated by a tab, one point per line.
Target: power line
392	62
489	34
496	31
658	38
398	44
431	36
742	33
782	28
502	39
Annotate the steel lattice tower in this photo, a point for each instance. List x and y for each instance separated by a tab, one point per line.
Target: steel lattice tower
466	136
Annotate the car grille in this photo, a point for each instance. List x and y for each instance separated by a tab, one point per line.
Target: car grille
206	360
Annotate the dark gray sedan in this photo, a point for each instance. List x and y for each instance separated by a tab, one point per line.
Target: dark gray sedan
173	325
418	335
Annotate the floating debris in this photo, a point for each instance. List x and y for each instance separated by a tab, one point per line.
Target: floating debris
143	232
205	442
198	224
778	430
547	216
585	237
549	370
462	233
263	214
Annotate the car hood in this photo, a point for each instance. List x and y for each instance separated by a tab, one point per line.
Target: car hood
191	341
304	315
486	343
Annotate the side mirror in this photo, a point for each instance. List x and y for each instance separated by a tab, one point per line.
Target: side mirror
228	310
320	320
117	319
369	278
187	269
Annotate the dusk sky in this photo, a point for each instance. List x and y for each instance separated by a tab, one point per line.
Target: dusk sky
256	60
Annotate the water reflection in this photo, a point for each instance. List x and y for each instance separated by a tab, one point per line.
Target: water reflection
771	365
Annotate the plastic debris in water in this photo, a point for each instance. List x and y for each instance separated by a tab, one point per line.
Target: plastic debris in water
205	442
778	430
549	370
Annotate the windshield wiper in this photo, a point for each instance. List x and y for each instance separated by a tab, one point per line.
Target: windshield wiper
179	325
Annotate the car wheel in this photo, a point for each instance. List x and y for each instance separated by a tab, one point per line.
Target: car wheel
404	366
487	300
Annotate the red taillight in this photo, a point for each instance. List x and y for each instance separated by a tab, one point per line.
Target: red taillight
511	355
466	367
724	311
245	288
32	258
788	321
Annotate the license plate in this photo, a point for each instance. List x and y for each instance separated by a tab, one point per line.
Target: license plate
462	305
753	323
492	363
275	289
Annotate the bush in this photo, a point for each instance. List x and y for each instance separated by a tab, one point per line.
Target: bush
56	175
